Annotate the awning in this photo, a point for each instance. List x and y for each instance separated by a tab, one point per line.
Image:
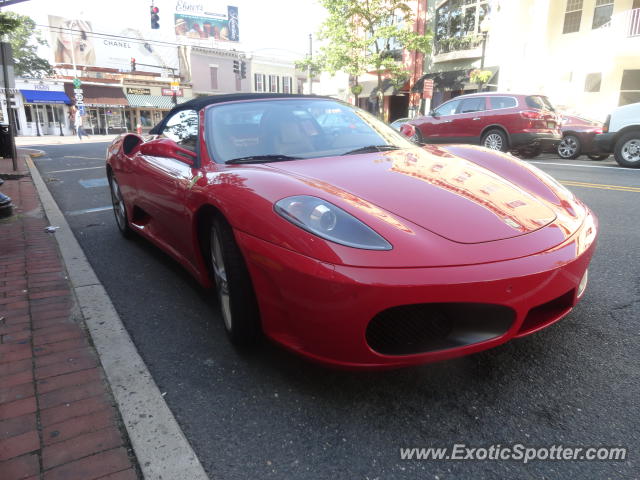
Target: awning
452	79
163	102
44	96
99	96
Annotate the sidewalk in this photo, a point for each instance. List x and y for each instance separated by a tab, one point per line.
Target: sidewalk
57	414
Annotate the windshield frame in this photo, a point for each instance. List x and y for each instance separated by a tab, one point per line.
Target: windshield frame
399	140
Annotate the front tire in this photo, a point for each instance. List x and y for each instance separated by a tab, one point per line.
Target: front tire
119	207
238	304
627	151
569	148
495	140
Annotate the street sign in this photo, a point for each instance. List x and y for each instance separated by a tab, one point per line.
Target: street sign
175	86
427	88
77	82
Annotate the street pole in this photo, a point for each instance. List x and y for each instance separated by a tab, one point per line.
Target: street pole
6	50
309	66
484	48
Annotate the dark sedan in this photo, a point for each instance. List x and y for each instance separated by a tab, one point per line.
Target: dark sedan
578	138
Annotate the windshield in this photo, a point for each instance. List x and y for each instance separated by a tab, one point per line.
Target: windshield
271	130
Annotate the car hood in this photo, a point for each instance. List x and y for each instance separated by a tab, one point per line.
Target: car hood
445	194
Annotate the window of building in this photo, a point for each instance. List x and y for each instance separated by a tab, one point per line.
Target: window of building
287	85
501	102
273	83
602	13
592	82
27	113
213	74
258	79
630	87
300	86
572	16
458	18
182	128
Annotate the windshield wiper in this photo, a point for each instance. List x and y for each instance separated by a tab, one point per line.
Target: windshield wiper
371	148
261	159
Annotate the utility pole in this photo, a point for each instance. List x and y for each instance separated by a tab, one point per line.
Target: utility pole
5	47
309	65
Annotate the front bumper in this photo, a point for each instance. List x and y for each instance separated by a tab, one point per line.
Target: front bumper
322	311
605	141
547	139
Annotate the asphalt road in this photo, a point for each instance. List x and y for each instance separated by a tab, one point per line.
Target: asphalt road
268	414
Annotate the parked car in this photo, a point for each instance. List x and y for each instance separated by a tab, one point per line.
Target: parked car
396	124
578	138
524	124
357	249
621	135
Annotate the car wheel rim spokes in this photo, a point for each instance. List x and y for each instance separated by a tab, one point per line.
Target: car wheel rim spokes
631	151
118	204
222	284
567	147
493	141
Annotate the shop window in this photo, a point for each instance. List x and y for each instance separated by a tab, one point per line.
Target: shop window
286	84
592	82
630	87
145	118
182	128
602	13
572	16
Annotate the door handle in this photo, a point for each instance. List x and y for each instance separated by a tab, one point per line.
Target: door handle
475	118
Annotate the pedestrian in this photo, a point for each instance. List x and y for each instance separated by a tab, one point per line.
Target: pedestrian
78	125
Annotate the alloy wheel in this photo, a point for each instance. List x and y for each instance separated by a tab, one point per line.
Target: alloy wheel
631	151
493	141
567	147
118	205
220	274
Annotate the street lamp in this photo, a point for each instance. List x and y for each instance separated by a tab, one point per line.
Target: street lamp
485	25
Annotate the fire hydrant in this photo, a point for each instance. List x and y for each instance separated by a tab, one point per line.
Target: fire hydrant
139	129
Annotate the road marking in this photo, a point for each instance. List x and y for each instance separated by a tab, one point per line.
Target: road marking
73	170
88	210
94	182
619	188
585	166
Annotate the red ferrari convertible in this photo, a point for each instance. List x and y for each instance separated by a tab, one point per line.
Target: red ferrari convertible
343	240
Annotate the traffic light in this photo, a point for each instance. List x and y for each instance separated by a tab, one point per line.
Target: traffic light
133	64
243	69
155	18
236	66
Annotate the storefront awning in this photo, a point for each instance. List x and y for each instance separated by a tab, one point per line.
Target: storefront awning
99	96
452	79
152	101
44	96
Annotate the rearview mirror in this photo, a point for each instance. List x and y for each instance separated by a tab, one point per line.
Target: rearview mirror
165	147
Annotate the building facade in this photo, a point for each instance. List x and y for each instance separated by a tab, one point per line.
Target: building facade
582	54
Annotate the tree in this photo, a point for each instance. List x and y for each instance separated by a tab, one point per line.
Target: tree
365	35
24	42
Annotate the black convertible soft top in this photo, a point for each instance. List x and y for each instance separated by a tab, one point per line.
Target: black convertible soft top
199	103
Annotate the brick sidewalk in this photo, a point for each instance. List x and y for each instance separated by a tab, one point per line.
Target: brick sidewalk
57	416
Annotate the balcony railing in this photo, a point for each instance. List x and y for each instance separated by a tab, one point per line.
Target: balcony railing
634	22
455	44
628	22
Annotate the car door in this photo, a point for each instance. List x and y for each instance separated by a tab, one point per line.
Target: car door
163	176
469	122
439	126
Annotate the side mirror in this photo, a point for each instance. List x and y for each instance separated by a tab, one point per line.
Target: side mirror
165	147
432	113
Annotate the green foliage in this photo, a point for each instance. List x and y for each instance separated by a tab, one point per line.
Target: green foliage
303	65
480	76
24	42
361	34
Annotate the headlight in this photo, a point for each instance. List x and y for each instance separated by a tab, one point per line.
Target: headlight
329	222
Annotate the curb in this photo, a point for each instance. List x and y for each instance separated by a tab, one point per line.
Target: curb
162	450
